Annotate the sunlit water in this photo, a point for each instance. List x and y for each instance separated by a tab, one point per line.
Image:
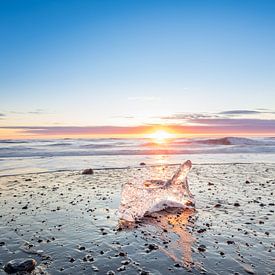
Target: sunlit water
30	156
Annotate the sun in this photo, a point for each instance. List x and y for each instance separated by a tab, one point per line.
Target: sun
160	136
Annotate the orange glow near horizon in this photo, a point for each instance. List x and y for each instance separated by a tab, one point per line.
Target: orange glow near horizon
160	136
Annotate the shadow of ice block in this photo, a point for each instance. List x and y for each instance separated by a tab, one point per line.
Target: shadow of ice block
138	199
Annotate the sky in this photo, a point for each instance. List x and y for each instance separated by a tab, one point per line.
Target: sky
74	68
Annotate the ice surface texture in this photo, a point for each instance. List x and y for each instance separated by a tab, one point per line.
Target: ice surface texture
155	195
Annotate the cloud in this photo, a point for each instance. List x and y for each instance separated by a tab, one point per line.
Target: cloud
37	112
143	98
34	112
189	116
205	118
240	112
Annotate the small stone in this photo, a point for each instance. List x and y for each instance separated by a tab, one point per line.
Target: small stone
25	207
121	268
88	171
71	260
247	181
201	230
236	204
202	248
230	242
81	248
152	247
18	265
217	205
142	163
111	272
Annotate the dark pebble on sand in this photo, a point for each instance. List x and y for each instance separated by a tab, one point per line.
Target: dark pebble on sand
88	258
247	181
2	243
25	207
152	247
111	272
20	265
202	248
201	230
71	260
81	248
88	171
142	163
236	204
230	242
217	205
121	268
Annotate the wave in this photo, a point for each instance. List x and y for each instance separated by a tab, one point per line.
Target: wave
237	141
92	147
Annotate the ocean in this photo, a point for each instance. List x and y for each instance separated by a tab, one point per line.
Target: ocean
32	156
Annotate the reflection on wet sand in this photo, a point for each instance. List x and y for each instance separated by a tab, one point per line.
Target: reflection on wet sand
170	229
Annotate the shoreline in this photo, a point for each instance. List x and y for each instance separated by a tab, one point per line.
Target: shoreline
135	167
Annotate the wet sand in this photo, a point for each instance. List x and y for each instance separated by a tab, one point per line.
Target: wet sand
68	223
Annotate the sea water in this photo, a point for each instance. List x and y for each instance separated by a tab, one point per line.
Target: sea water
30	156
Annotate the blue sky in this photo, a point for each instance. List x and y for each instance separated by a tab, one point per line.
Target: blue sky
129	63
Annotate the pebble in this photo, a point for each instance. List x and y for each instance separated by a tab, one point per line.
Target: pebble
19	265
202	248
88	171
72	260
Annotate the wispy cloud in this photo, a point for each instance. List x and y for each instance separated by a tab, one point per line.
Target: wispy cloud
37	112
240	112
231	115
33	112
189	116
143	98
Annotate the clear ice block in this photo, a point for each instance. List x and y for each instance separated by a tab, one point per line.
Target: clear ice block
150	196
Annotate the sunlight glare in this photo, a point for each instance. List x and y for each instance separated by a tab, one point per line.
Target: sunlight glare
160	136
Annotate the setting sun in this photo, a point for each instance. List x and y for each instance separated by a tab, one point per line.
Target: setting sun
160	136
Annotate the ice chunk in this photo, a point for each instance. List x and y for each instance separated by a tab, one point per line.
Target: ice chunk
155	195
